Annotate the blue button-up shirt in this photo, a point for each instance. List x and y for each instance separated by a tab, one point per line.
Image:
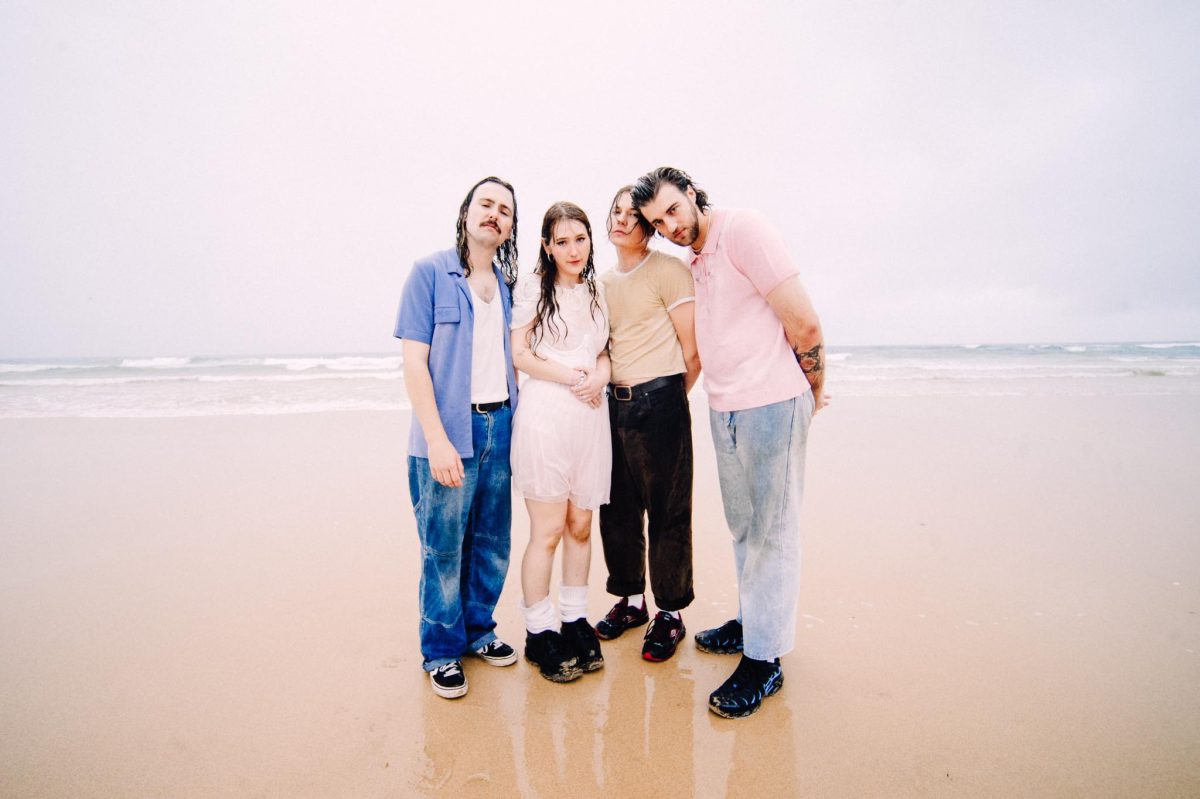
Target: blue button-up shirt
436	309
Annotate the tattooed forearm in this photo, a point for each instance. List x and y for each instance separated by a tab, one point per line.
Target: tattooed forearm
811	361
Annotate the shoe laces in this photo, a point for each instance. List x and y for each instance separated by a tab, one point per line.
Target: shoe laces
617	611
449	670
660	626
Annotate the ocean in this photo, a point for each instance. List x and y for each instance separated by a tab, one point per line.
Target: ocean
282	384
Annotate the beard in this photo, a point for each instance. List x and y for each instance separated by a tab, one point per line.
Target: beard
687	236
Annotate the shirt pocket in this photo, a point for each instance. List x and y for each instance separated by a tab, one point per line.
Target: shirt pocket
446	315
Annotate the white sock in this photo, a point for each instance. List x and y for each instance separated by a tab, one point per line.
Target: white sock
636	601
572	602
674	614
540	617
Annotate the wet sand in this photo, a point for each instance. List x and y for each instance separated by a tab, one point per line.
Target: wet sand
1000	598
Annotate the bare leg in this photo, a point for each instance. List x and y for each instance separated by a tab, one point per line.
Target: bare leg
547	521
577	546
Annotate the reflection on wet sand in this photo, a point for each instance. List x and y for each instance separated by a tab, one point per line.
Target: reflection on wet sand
631	729
558	731
625	730
646	742
761	760
467	745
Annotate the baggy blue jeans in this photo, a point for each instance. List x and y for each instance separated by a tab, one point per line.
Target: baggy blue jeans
760	463
466	537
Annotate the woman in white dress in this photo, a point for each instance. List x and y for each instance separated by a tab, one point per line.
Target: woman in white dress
561	451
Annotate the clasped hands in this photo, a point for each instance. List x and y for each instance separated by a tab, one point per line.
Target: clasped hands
589	388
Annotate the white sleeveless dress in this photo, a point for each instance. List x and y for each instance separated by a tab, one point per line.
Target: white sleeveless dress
560	446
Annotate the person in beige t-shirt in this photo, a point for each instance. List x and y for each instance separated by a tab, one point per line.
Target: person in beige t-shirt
652	348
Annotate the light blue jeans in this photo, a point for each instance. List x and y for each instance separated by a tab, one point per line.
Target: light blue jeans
466	535
760	462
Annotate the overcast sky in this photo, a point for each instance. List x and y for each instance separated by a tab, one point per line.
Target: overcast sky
251	177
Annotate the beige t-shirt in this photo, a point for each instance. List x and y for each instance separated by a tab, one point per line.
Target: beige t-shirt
642	338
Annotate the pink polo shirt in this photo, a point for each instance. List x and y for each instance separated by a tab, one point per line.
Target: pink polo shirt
744	353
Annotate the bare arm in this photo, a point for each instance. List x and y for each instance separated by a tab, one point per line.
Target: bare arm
541	368
683	317
444	462
791	304
591	391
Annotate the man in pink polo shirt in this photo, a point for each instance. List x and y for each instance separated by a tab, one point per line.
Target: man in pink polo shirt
763	358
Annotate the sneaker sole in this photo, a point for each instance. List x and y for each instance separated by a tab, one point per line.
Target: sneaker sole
566	675
750	711
491	661
594	665
718	650
449	693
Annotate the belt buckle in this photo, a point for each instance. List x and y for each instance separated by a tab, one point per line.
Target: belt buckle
628	393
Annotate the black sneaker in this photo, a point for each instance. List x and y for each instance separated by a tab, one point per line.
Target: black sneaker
497	653
581	638
448	680
743	693
662	636
622	617
723	640
552	655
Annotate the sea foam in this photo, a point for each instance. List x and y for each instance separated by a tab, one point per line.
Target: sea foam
154	363
344	363
22	368
1174	345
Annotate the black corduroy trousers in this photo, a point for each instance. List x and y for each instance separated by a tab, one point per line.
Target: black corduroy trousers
650	499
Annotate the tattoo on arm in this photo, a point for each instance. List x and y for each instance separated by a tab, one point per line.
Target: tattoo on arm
811	361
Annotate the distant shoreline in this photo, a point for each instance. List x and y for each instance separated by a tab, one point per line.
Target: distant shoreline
193	386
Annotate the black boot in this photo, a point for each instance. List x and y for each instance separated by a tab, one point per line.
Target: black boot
552	655
582	640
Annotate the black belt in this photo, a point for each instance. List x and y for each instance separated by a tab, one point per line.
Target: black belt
628	393
488	407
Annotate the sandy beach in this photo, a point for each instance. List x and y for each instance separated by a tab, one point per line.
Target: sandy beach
1000	598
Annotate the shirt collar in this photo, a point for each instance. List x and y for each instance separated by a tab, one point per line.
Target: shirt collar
451	263
716	225
453	267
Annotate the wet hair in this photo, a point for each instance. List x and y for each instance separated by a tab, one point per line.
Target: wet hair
647	228
547	316
506	254
648	185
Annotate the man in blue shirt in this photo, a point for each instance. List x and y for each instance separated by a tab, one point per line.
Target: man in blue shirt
454	319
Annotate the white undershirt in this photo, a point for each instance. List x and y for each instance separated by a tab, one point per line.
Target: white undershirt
489	383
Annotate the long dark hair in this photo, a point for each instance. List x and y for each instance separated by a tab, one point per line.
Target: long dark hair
648	185
547	316
506	255
647	228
